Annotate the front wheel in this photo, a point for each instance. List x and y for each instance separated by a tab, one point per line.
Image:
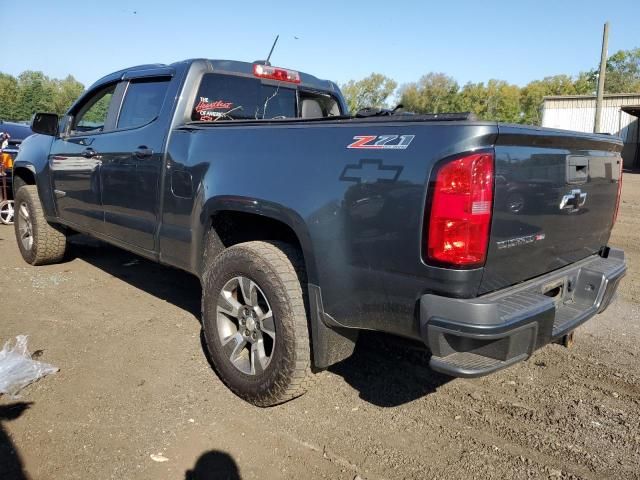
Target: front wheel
39	242
255	322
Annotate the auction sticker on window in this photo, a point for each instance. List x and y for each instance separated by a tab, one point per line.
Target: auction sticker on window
210	110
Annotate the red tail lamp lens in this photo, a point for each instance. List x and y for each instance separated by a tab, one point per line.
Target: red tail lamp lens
275	73
460	217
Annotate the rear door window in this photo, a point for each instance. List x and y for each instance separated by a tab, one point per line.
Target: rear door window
225	97
142	102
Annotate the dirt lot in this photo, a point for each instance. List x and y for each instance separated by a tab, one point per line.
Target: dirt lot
134	382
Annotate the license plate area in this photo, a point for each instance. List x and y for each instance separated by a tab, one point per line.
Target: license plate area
557	290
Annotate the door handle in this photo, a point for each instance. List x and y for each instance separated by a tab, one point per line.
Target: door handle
143	152
89	153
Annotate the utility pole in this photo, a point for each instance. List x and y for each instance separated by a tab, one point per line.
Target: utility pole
603	72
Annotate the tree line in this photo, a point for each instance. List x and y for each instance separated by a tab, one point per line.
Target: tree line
493	100
32	91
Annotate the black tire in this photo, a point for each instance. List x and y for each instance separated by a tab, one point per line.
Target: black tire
47	243
277	269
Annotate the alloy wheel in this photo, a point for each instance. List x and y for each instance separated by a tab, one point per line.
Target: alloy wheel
25	227
246	327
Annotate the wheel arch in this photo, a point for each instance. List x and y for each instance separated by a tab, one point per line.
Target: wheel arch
23	174
241	219
27	173
329	344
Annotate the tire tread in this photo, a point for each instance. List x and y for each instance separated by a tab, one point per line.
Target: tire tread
288	265
49	243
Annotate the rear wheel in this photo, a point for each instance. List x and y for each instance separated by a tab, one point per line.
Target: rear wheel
255	322
39	242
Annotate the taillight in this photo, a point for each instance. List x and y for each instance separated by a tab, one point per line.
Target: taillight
460	218
615	215
275	73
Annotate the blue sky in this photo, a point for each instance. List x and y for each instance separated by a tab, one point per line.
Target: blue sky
517	41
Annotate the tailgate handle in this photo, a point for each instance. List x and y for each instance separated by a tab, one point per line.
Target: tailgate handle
577	169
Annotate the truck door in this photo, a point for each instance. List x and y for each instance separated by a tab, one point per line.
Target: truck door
131	168
75	160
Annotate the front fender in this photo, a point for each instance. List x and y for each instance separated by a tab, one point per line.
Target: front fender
33	156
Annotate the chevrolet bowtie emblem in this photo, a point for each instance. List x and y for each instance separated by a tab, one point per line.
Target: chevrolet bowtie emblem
370	171
573	201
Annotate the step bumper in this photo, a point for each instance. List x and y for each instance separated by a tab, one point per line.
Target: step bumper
475	337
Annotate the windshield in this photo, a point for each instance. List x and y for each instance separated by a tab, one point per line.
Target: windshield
226	97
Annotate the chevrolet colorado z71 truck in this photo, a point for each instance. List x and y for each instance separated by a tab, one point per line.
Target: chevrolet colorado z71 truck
305	225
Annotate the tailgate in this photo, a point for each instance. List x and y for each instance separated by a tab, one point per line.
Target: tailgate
555	197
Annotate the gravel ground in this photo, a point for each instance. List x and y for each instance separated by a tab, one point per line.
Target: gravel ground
134	384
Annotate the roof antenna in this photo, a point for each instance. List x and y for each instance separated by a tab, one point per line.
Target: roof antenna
271	51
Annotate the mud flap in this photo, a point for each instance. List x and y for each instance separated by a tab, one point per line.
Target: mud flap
330	344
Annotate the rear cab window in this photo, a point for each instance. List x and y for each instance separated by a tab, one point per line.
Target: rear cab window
230	97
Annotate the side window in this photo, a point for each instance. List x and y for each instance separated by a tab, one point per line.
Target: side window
318	104
142	102
92	116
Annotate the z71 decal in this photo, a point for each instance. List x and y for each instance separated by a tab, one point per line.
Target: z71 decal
377	142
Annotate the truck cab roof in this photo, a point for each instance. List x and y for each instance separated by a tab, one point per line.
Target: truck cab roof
315	98
232	67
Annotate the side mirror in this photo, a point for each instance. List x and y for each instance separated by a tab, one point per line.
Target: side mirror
45	123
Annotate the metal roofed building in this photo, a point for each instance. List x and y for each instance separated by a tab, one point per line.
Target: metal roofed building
620	113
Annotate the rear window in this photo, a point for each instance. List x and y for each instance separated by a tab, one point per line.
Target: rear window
226	97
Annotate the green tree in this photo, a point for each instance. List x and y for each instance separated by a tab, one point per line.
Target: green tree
67	91
622	75
372	91
503	102
473	98
497	100
98	111
534	92
623	72
35	94
8	97
586	83
433	93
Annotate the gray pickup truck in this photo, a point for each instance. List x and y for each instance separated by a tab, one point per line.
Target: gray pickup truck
306	225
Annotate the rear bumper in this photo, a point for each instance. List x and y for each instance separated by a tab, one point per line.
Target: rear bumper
475	337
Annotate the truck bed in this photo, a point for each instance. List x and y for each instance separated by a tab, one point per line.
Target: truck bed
363	209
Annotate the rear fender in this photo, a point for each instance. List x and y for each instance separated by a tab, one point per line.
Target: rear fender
254	206
330	343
